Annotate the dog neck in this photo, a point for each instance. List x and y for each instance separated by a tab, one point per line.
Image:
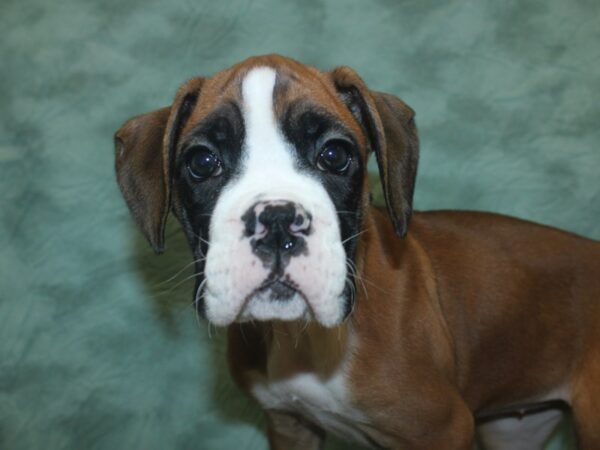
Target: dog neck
307	347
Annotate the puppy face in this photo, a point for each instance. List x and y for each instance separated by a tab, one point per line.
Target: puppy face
265	167
269	188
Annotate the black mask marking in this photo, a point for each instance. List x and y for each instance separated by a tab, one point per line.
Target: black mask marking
308	127
195	201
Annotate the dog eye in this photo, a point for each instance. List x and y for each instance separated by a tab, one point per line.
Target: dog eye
202	163
334	157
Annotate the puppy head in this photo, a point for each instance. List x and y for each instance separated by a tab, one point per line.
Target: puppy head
264	165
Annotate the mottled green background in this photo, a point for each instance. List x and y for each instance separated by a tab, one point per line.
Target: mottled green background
99	347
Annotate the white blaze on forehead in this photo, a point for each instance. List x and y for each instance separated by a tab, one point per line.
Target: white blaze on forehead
268	173
265	149
261	127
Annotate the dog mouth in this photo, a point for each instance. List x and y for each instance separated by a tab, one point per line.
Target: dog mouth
276	298
279	289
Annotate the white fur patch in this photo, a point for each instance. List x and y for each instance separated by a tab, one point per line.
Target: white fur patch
233	272
323	399
530	432
525	433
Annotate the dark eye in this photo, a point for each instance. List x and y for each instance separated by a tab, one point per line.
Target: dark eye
334	156
202	163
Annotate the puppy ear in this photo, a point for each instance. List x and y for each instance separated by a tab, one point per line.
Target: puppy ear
391	132
139	167
144	154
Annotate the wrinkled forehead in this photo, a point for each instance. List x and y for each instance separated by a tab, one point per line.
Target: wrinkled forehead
296	89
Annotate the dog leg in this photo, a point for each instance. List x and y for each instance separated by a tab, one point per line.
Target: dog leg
442	421
457	434
586	414
288	432
586	407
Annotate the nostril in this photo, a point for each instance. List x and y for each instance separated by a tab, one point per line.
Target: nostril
297	224
259	228
300	224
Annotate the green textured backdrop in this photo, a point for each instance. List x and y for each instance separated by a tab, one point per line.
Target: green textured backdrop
99	347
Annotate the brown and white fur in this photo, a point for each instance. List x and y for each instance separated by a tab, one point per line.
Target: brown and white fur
386	335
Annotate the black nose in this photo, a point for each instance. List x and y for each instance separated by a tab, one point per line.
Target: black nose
277	221
277	227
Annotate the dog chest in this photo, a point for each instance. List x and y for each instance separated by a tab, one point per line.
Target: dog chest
307	374
325	402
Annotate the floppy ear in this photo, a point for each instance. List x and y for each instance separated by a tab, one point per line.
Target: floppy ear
144	153
391	132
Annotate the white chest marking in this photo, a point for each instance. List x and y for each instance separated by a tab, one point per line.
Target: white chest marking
322	399
324	402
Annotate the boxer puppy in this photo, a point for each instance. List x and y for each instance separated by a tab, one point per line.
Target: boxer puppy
341	318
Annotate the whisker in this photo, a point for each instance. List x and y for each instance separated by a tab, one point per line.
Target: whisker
200	238
201	288
352	289
172	288
182	270
276	339
197	314
366	280
354	300
299	334
198	295
385	291
203	240
354	274
306	324
355	235
241	328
